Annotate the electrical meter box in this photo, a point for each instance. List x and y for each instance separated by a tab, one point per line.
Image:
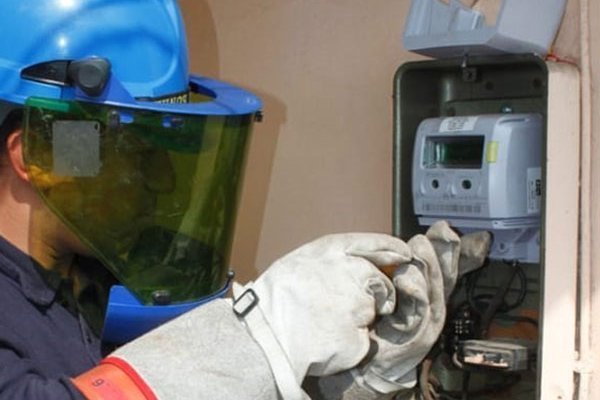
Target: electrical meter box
469	147
475	143
469	137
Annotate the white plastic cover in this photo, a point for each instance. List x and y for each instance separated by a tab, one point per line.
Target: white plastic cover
450	29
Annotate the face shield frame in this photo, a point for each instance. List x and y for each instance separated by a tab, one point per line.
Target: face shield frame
220	100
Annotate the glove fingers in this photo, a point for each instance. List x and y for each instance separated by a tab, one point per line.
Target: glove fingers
380	249
473	251
383	251
383	292
412	299
424	254
421	306
446	244
422	284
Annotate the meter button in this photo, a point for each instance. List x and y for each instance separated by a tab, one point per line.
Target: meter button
435	184
466	184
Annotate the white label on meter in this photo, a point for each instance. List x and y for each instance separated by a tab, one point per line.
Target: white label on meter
458	124
534	190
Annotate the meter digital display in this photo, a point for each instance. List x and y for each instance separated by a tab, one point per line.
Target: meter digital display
453	152
482	172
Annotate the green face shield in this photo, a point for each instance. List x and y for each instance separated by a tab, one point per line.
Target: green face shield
152	195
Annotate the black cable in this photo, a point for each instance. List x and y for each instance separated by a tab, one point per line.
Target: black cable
473	282
497	300
523	288
488	305
465	385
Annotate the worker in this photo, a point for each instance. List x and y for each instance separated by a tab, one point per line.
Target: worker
119	173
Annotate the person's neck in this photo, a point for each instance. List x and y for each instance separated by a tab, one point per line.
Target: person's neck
27	223
50	256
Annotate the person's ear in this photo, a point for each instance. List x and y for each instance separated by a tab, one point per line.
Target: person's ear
14	149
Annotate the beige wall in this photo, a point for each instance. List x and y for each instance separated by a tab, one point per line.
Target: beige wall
321	160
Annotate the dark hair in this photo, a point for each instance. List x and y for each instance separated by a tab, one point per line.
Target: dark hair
11	122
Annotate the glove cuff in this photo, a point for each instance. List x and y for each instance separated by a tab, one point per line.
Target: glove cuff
246	307
113	378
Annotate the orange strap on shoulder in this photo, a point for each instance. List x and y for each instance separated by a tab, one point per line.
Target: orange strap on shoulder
113	379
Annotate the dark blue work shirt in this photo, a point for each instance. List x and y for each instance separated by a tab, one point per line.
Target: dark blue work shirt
42	344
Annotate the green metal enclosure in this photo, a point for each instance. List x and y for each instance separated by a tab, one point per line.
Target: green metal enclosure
461	87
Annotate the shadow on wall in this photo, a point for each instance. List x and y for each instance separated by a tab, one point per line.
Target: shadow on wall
202	37
204	59
255	188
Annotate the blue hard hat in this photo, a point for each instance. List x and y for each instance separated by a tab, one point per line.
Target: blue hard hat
144	41
55	48
139	158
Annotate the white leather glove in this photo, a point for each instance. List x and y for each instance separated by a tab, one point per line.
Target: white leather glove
403	338
422	285
311	310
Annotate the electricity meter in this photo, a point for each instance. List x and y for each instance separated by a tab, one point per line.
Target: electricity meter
482	172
